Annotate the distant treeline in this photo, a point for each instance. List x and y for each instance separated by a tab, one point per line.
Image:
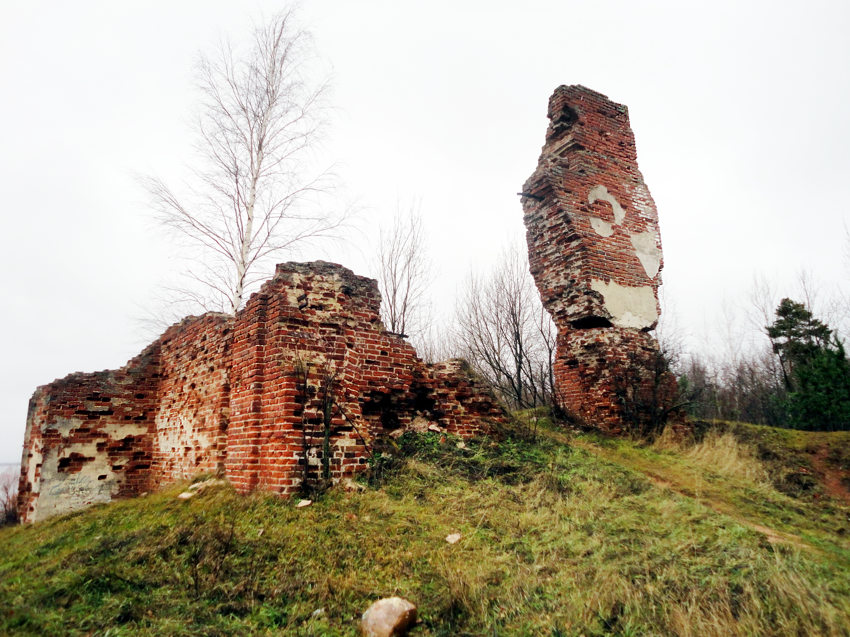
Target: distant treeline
801	380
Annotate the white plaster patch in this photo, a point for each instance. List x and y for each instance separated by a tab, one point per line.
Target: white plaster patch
646	248
116	430
63	425
600	193
36	460
629	306
62	491
87	449
602	228
120	430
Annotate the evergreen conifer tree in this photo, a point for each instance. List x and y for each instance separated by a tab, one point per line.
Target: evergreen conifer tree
815	368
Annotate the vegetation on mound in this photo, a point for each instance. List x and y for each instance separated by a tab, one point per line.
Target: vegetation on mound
798	463
570	534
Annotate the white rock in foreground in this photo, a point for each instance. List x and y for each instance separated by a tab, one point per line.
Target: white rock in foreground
206	484
388	617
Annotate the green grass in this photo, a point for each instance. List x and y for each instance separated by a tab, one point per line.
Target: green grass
571	534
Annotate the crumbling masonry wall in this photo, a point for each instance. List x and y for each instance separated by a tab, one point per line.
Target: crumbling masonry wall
595	255
191	400
88	439
254	396
93	437
313	336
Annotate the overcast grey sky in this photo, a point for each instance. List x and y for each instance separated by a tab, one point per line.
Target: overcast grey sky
740	110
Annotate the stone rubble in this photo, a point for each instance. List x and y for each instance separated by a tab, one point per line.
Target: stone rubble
388	617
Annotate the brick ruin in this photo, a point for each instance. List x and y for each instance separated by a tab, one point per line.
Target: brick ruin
595	255
296	387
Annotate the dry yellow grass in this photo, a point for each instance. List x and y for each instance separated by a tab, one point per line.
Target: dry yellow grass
719	452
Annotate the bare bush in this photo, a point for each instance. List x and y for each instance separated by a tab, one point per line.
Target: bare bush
8	497
404	274
505	333
747	388
436	343
647	392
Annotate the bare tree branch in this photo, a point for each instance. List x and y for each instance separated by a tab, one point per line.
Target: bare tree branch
260	116
506	334
404	273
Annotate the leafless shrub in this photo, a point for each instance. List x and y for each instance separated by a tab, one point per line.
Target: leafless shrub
8	497
404	274
647	392
507	336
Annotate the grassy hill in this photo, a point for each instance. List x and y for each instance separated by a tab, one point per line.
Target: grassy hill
743	532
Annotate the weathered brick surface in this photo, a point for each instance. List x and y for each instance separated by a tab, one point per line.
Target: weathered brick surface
320	324
312	332
88	438
464	402
191	414
594	250
248	396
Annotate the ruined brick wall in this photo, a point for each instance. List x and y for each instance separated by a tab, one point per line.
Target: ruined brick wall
249	396
89	439
312	339
463	400
594	251
160	418
305	337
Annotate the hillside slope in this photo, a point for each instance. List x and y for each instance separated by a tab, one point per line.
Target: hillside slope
566	535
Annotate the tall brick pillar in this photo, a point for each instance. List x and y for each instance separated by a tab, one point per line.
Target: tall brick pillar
595	254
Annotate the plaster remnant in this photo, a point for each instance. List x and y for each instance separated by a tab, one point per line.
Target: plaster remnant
63	491
600	193
600	227
629	307
646	248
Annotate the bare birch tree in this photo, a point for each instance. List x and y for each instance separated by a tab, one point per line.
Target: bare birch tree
260	116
